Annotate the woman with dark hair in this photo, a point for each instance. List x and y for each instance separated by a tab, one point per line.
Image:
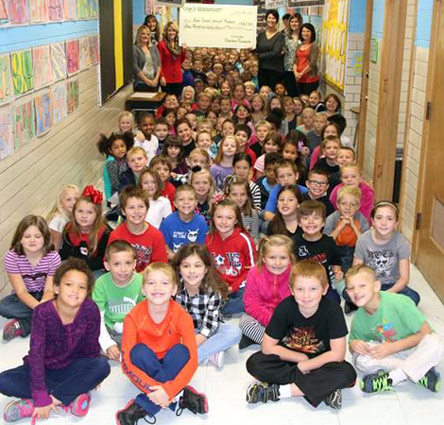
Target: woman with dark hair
172	55
146	62
305	68
269	50
153	25
291	42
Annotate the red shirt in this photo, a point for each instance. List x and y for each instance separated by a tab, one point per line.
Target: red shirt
171	67
168	192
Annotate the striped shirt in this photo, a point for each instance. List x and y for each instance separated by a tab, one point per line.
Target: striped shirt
33	277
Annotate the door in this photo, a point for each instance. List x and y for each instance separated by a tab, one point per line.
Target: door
430	235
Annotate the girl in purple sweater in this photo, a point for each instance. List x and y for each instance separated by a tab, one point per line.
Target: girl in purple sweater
267	286
63	364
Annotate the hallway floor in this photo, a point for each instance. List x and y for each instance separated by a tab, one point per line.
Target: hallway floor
225	389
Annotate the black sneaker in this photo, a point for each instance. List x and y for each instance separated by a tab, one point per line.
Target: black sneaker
262	391
193	401
431	380
131	413
245	342
334	399
349	307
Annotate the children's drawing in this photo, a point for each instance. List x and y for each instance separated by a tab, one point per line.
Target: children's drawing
85	54
6	133
55	10
24	126
59	102
93	8
72	56
39	11
41	61
3	13
43	113
70	9
73	95
94	49
5	79
82	9
18	11
22	75
58	60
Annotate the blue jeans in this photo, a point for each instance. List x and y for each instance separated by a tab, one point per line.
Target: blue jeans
225	337
409	292
160	370
235	303
80	376
12	308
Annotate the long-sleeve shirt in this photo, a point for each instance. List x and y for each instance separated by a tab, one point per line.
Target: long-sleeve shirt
264	291
171	66
55	345
176	328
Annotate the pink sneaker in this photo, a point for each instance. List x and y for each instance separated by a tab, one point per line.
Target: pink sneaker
80	405
12	329
18	409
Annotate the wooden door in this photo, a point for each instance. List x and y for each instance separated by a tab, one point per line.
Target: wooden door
429	238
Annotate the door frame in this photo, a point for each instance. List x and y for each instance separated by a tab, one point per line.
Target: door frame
432	68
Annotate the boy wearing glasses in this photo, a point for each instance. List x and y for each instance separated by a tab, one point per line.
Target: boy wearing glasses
317	185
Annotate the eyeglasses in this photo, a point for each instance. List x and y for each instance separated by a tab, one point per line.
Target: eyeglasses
318	183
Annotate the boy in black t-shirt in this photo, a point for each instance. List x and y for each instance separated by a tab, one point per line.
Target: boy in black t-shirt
314	245
304	345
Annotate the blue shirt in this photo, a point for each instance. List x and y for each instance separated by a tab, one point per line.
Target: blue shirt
272	199
177	232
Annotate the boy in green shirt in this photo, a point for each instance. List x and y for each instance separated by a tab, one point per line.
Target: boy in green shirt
390	339
116	293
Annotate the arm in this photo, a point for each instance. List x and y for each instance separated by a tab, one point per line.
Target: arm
270	346
336	354
21	291
313	57
278	48
404	276
48	293
254	303
210	320
113	173
56	239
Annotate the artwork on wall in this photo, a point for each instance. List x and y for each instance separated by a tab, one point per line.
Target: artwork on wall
3	13
58	60
85	53
22	75
41	62
72	56
6	132
18	11
55	10
87	9
39	11
73	95
94	49
43	113
70	9
59	102
5	79
24	124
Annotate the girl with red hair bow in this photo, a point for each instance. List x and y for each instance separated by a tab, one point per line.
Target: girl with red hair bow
86	236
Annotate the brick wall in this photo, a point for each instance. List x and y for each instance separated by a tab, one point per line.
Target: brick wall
31	178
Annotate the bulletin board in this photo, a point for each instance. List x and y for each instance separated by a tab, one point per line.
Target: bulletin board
334	35
39	85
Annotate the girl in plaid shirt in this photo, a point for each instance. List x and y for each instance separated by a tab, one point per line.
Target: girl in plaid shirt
201	291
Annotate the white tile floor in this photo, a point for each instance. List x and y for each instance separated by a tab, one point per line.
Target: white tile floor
225	389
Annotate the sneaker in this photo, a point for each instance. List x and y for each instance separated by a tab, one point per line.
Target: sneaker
12	329
245	342
217	359
18	409
431	380
262	391
334	399
131	413
80	405
376	382
192	400
349	307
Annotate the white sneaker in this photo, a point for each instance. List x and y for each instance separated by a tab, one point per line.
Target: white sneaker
217	359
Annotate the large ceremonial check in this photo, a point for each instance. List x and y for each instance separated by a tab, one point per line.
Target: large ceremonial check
218	26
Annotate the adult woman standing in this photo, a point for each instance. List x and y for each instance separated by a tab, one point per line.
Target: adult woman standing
305	68
153	25
146	62
291	38
172	56
269	50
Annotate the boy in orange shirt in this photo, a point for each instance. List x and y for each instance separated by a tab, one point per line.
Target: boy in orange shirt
159	352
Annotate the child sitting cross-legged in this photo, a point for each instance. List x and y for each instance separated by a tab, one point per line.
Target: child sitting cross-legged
390	338
303	351
159	352
116	293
